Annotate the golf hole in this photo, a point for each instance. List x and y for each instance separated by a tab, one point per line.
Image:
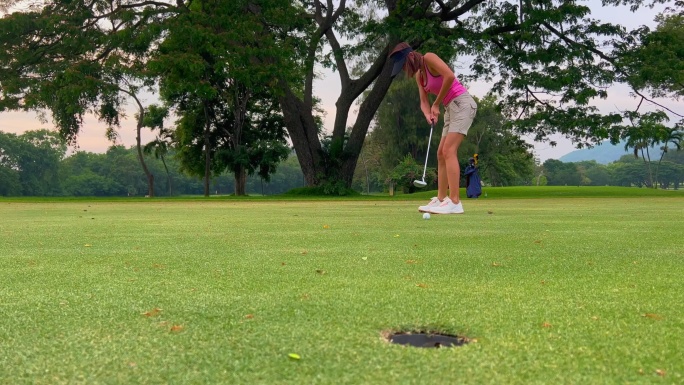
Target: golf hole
420	339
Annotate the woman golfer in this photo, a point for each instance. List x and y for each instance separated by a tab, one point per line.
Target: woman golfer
435	77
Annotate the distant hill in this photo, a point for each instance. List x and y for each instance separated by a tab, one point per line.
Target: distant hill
603	153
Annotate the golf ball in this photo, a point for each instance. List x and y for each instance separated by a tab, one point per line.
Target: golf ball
426	215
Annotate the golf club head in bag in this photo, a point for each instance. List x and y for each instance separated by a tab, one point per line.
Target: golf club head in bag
421	183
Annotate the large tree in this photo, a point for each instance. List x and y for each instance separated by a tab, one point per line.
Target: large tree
215	65
77	57
161	145
669	135
74	58
548	58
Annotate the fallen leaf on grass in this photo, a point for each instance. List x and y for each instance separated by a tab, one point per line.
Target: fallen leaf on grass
249	316
422	285
496	264
653	316
546	325
152	312
294	356
326	226
176	328
660	372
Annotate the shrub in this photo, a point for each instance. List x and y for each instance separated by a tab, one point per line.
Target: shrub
407	171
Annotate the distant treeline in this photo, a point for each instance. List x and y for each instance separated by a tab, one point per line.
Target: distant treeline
36	164
665	172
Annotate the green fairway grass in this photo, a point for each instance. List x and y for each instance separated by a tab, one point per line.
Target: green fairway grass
571	286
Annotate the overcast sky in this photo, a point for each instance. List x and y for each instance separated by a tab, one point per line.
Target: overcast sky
327	88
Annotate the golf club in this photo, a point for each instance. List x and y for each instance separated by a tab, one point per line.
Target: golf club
422	183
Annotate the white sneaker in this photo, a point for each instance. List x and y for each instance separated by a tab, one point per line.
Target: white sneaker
447	207
433	203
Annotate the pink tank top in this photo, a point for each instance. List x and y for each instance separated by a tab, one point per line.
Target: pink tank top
434	85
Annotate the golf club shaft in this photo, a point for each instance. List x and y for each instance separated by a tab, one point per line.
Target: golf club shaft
432	125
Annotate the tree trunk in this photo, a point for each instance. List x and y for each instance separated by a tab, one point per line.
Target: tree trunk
139	126
168	175
241	97
240	182
303	131
660	161
148	174
207	153
367	111
304	135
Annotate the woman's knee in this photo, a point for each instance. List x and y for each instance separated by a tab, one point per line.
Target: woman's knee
450	154
440	154
447	151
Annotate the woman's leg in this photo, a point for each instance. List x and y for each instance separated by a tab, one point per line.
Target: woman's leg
448	165
442	178
461	114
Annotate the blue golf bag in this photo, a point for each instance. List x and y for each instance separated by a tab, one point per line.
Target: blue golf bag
472	177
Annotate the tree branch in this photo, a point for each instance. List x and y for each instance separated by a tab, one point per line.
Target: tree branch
136	5
446	15
335	45
606	58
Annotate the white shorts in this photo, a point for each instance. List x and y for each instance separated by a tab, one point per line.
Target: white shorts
459	114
